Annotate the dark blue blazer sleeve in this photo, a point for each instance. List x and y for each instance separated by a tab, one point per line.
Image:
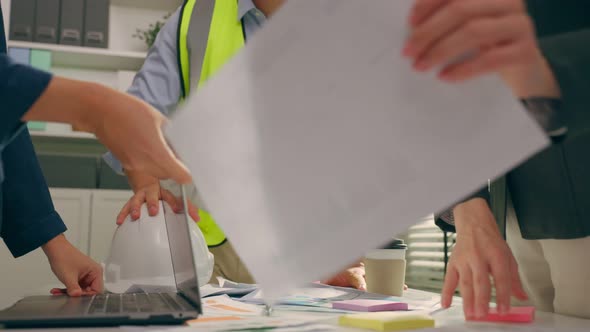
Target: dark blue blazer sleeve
29	218
20	86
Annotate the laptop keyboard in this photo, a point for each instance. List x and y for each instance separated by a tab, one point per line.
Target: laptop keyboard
133	303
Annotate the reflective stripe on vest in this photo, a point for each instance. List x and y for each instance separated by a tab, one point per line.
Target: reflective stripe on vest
225	37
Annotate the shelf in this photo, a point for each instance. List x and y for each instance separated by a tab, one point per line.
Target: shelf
66	135
87	57
168	5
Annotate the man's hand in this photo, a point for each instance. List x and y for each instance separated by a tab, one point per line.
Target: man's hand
80	274
147	190
353	277
469	38
480	253
129	127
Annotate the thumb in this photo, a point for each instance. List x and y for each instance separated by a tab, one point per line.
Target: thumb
358	281
72	285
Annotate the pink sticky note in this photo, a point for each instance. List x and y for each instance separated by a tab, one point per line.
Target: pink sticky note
369	305
515	315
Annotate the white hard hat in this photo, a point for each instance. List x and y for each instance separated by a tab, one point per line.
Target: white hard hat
140	254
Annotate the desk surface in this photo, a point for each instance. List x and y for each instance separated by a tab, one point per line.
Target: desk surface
452	317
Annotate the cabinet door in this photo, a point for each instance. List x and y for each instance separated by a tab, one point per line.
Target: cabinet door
106	205
31	274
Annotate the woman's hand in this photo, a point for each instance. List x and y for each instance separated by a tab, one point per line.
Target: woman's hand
78	272
481	258
147	190
465	39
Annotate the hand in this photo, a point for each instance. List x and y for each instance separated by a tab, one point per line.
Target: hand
80	274
353	277
129	127
469	38
147	189
480	252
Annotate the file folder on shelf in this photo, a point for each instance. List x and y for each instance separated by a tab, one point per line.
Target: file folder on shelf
96	23
22	20
71	21
47	21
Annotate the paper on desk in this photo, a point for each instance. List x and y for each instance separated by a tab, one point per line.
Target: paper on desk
318	142
224	305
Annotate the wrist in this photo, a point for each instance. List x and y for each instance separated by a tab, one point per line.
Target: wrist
139	180
535	79
55	246
473	214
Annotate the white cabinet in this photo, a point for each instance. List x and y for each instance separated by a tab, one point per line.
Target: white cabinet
27	274
90	218
106	205
73	205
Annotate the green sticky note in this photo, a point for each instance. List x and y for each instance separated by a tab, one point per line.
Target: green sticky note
36	125
41	59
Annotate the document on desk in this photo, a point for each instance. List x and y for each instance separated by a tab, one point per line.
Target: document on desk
318	142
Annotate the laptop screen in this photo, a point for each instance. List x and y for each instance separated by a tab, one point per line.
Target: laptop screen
181	250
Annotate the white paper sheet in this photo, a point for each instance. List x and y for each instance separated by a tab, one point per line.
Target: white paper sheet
318	142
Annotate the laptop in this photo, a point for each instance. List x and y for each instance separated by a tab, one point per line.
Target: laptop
121	309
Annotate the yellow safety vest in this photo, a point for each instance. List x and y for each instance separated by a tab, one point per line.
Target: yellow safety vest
224	40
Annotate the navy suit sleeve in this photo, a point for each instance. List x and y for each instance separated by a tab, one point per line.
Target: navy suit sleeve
29	218
20	86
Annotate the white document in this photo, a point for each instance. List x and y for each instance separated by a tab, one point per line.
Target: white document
318	142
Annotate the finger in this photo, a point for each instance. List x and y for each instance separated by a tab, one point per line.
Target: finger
193	212
423	9
482	290
449	18
486	62
503	284
93	281
465	42
174	203
58	291
135	206
449	286
123	214
466	289
152	197
517	288
357	280
72	286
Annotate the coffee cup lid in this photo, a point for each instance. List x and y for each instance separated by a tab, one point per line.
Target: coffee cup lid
395	244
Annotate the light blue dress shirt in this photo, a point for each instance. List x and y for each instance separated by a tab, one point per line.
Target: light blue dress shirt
158	81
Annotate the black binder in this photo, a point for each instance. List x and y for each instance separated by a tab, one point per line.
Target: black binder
71	22
47	21
22	20
96	23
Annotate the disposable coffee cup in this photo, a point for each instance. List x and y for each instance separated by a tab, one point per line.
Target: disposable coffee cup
385	269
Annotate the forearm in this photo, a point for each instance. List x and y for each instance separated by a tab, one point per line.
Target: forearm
53	247
70	101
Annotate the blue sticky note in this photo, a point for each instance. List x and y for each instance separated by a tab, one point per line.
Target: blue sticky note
20	55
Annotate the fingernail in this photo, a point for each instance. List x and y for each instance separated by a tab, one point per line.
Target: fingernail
153	210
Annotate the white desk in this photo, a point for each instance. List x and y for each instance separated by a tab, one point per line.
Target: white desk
452	317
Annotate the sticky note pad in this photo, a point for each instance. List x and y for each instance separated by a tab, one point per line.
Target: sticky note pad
369	305
515	315
388	321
